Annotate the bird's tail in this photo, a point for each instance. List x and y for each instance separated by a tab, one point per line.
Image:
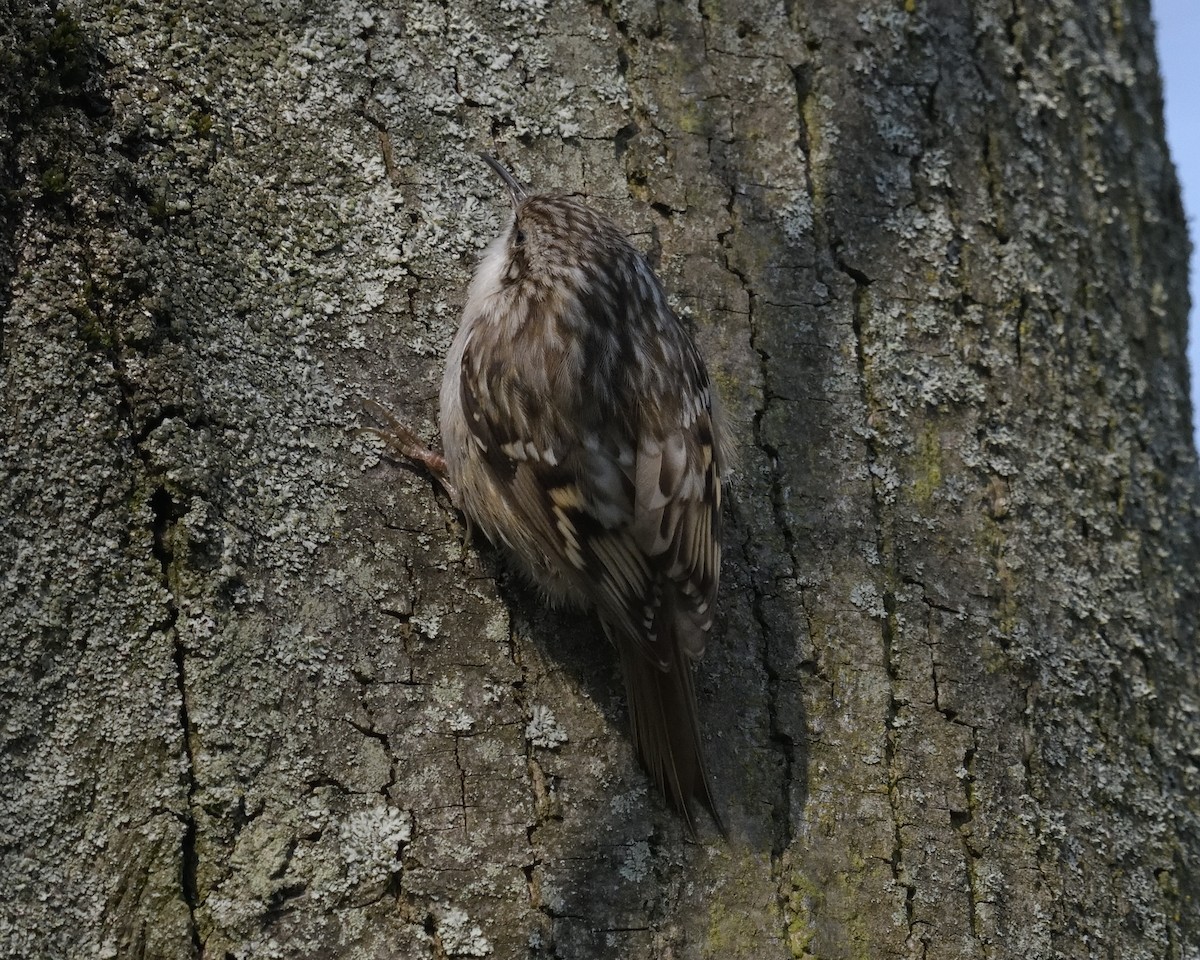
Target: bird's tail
666	730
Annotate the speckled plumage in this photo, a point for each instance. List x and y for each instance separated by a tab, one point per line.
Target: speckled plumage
583	434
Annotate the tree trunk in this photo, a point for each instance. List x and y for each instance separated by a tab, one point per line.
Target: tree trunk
262	697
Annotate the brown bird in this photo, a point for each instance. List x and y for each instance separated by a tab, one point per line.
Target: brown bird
582	434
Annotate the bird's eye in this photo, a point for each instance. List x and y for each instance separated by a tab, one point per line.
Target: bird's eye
520	238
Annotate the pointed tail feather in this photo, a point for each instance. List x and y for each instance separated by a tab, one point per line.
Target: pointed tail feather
666	730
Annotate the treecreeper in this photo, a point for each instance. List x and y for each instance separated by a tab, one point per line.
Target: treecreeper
582	434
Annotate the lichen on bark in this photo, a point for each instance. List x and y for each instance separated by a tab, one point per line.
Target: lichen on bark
263	697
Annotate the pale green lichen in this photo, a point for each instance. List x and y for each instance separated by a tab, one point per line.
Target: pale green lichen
260	677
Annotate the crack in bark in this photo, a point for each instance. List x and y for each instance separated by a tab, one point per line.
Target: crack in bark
781	741
885	551
964	825
542	805
165	513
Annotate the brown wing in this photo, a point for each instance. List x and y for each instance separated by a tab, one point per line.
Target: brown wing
628	507
677	520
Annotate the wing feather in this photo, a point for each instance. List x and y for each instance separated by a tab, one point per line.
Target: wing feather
619	507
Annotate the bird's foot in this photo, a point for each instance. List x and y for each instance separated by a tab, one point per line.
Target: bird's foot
401	441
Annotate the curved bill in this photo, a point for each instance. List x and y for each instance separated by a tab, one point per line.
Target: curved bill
516	192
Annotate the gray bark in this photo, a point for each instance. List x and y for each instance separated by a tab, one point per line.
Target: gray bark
262	698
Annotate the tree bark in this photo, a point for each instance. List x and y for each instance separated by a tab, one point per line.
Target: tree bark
262	697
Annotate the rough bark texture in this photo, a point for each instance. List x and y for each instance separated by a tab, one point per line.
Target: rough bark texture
261	698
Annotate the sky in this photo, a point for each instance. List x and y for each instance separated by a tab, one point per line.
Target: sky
1178	32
